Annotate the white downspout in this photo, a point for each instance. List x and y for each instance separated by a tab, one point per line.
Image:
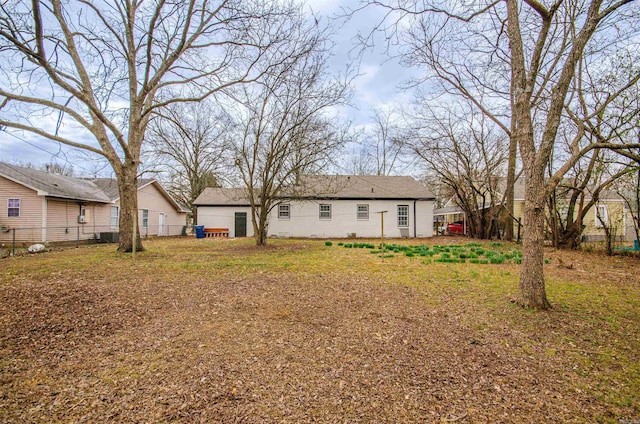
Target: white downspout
44	219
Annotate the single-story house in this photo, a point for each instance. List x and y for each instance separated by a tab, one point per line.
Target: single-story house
325	206
44	207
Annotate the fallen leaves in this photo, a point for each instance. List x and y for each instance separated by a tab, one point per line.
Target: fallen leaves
331	337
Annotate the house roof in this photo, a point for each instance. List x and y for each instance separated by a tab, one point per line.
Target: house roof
54	185
372	187
217	196
101	190
110	187
448	210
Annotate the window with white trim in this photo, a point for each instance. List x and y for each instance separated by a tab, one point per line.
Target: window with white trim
13	208
602	216
363	211
284	211
325	211
113	222
145	218
403	215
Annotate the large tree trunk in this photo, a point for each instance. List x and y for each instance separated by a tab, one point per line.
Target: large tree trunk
128	188
261	230
531	289
259	219
509	197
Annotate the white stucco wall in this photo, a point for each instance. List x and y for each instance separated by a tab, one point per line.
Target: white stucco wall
223	217
305	219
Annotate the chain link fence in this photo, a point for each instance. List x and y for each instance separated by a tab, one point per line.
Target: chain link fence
17	239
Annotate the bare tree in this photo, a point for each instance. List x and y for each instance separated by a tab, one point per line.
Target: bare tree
386	141
358	159
90	74
285	129
468	155
189	143
579	192
469	48
628	188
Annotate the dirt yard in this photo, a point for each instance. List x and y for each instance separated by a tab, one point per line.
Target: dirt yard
219	331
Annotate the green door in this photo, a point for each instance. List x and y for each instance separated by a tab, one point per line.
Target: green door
240	229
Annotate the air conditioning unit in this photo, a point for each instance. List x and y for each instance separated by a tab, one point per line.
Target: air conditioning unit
81	219
109	237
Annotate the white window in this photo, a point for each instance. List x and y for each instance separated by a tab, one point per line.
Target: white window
325	211
145	218
13	208
114	218
284	211
363	211
602	216
403	215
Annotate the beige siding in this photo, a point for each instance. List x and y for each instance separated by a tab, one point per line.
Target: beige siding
29	224
150	198
615	212
62	221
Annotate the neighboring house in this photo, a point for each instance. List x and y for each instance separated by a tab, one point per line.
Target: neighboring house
48	207
328	207
611	209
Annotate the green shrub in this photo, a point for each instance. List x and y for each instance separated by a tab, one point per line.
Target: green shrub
348	245
408	254
498	259
328	243
479	261
340	244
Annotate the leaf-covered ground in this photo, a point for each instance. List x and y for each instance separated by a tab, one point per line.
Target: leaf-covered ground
221	331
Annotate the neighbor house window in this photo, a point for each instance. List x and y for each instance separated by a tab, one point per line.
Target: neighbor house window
602	216
403	216
145	218
363	211
284	211
114	218
325	211
13	207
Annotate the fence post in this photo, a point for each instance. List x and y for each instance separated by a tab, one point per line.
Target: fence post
13	243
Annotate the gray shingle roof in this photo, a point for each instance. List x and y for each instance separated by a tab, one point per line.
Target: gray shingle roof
110	186
216	196
54	185
370	187
102	190
359	187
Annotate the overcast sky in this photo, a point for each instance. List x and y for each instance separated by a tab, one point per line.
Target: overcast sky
377	85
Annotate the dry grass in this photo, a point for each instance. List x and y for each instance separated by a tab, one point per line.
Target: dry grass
220	331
